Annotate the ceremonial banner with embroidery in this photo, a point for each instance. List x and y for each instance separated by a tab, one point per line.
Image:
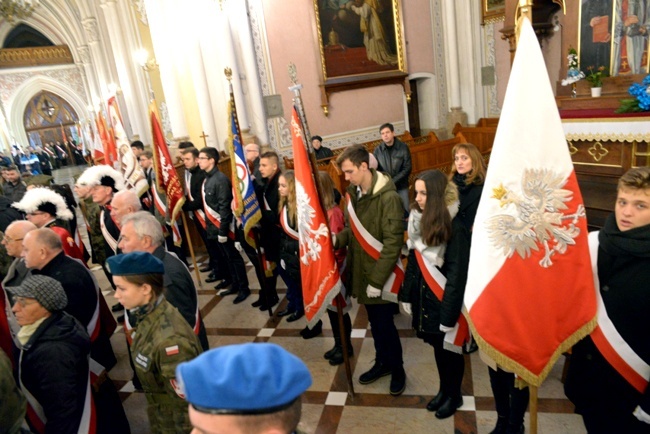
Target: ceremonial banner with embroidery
530	290
167	179
245	207
318	271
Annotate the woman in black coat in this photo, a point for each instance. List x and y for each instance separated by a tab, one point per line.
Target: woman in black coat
437	238
468	173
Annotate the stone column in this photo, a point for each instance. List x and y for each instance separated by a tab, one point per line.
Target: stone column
456	114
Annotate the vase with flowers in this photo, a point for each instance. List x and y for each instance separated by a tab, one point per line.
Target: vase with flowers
641	100
595	79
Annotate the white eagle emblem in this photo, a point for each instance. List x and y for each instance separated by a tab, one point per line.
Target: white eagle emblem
538	219
308	237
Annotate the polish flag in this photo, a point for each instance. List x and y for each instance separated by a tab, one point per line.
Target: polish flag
530	291
318	271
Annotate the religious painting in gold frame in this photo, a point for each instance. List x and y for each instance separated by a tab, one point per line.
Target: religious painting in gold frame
492	11
360	39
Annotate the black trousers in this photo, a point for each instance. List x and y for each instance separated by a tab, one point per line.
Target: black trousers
218	262
451	366
511	402
388	347
235	265
268	289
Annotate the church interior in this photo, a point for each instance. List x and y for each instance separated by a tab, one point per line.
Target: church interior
439	74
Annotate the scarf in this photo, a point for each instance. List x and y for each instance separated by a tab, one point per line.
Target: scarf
137	314
434	254
460	181
635	242
28	330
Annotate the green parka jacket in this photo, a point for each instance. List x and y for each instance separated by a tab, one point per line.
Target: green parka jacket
381	212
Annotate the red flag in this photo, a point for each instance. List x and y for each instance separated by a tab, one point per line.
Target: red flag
166	176
530	290
110	152
318	271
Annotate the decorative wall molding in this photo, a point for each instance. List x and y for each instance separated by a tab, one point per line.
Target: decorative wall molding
142	11
490	52
439	60
92	32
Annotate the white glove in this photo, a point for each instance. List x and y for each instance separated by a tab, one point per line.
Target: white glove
406	307
641	415
333	239
238	246
445	329
222	239
373	292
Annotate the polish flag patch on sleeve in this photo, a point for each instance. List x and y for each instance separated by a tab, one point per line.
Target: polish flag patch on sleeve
171	350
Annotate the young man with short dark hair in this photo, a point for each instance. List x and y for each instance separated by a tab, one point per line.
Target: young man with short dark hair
394	158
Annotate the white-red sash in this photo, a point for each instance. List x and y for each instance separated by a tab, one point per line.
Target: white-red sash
609	342
214	216
284	221
436	282
373	248
112	242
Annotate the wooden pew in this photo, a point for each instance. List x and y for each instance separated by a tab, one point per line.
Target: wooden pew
370	146
480	136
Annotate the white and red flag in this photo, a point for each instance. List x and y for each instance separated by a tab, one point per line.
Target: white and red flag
530	291
318	271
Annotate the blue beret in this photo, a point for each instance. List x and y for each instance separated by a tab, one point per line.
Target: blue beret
254	378
135	263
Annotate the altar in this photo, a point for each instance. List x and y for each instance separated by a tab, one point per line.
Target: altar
603	146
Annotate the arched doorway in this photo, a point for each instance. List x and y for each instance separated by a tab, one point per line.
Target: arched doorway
51	122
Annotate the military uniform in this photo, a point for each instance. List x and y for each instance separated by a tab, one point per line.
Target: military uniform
91	212
161	340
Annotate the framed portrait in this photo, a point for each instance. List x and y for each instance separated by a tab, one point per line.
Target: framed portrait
621	46
359	40
492	11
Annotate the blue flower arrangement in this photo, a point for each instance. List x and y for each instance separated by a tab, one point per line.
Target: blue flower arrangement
641	100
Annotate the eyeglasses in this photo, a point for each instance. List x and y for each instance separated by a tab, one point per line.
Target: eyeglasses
36	213
24	302
8	239
204	158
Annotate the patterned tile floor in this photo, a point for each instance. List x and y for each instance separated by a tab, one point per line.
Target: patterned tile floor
328	408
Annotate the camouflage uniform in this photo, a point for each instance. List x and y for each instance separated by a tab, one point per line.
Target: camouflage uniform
12	410
161	340
91	212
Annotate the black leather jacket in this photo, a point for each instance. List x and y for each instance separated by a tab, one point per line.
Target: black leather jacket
218	196
395	162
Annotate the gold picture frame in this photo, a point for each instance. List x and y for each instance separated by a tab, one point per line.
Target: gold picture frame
492	11
361	43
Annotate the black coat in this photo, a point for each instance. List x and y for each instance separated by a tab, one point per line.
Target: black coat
469	197
218	196
623	272
79	286
8	214
395	162
54	368
271	230
197	176
290	254
428	311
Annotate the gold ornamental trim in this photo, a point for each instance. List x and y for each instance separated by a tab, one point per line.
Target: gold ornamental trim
609	137
35	56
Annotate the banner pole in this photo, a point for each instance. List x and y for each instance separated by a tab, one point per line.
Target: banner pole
189	244
533	410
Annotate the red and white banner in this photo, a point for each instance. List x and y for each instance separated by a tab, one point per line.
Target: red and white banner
318	271
107	141
129	165
530	290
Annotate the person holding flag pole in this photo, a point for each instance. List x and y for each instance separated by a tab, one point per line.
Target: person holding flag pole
320	279
246	207
530	290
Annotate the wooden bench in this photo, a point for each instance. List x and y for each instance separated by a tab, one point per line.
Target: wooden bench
370	146
480	136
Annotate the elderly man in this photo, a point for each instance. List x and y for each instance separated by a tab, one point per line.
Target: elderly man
91	213
54	358
320	150
46	209
253	151
141	232
124	203
247	388
43	253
